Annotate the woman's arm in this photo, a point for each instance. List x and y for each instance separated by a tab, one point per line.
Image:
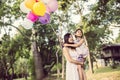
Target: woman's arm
76	44
68	57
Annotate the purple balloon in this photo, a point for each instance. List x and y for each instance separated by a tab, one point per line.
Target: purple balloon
45	19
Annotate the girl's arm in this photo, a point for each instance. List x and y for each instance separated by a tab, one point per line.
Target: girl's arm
76	44
68	57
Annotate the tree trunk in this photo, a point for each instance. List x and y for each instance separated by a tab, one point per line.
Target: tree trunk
63	67
39	74
90	63
58	70
89	58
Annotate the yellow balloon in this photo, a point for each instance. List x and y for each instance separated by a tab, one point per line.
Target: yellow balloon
39	8
29	3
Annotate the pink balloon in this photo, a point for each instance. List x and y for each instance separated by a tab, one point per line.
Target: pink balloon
52	5
48	10
32	17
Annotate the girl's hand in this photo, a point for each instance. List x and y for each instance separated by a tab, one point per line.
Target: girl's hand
65	45
81	63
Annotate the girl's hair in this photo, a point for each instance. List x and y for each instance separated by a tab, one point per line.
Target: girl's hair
66	40
81	32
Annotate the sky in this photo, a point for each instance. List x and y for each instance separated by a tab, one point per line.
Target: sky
13	32
115	31
75	18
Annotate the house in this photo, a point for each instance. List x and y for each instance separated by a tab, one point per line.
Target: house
111	54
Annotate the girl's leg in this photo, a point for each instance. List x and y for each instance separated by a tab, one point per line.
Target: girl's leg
84	74
80	72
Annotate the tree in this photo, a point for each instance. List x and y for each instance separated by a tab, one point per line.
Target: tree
118	39
11	50
11	13
44	40
96	23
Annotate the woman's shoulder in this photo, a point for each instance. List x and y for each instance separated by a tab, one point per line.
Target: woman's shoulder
65	48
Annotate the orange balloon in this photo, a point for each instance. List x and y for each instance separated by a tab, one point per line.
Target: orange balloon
29	3
39	8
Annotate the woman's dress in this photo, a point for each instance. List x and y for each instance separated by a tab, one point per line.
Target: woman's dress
71	68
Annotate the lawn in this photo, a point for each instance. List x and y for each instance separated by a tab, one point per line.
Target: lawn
106	73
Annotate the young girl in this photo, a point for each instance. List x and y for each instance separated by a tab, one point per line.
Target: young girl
82	51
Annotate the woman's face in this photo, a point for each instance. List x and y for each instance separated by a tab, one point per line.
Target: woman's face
70	39
78	33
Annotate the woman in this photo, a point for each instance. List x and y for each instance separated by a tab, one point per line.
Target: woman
71	62
82	51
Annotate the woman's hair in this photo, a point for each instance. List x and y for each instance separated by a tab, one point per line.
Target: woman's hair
66	40
81	32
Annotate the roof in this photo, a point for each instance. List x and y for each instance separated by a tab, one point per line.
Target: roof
111	46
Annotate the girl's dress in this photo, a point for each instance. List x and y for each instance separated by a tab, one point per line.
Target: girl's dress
82	50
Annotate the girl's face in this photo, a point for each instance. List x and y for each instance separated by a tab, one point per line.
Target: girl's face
78	33
70	39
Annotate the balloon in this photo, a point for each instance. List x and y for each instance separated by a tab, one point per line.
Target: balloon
27	24
23	8
37	0
29	3
45	1
47	10
39	8
45	19
52	4
32	17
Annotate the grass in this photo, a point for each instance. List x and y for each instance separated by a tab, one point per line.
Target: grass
106	69
106	73
105	76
